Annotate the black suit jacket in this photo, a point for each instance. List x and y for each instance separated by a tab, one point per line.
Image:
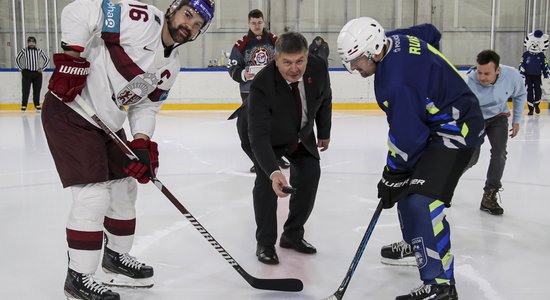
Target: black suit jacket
272	114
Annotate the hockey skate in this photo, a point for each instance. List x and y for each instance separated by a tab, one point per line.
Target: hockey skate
489	202
80	286
123	270
398	254
432	292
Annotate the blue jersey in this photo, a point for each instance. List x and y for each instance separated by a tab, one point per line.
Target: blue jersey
426	102
250	51
533	64
426	32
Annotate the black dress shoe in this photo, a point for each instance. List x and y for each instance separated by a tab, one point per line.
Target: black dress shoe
267	255
299	245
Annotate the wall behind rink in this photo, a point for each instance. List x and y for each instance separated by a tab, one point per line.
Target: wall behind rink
210	89
213	89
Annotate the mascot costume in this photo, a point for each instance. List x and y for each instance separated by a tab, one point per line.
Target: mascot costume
533	64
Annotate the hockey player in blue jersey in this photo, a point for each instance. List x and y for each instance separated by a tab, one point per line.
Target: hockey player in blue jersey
435	125
533	64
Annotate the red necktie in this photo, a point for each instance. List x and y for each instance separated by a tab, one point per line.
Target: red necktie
298	100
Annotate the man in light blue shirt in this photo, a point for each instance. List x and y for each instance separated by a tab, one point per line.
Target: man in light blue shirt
494	84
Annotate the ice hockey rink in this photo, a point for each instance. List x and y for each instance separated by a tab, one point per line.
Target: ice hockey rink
496	257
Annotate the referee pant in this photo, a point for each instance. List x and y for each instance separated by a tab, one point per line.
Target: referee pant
35	78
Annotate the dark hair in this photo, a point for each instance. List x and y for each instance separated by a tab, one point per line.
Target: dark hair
486	56
31	39
255	13
290	43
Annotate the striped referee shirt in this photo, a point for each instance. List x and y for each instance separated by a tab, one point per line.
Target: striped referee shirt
28	59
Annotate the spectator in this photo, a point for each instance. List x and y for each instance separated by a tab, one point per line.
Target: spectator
319	48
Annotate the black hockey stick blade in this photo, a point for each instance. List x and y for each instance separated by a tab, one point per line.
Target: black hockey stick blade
339	294
282	284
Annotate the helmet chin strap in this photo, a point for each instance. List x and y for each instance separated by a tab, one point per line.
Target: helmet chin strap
372	59
384	51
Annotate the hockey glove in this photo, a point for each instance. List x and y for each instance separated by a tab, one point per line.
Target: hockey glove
69	77
146	167
392	186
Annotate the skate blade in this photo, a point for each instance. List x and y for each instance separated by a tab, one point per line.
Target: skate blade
119	280
407	262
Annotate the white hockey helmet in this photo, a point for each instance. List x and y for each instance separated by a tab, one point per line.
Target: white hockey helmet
361	36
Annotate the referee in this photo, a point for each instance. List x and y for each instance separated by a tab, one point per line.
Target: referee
31	72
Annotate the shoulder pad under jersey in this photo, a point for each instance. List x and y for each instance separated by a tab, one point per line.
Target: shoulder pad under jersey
272	37
241	44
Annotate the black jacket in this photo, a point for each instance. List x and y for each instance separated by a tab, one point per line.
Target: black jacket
272	113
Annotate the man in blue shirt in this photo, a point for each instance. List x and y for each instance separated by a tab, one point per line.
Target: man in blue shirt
494	84
435	125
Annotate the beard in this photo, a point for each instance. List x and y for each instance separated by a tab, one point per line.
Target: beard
176	36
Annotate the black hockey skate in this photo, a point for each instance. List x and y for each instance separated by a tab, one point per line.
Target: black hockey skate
80	286
398	254
431	292
123	270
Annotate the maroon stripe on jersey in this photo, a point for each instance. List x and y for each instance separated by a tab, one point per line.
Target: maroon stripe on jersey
123	63
120	227
111	37
84	240
156	94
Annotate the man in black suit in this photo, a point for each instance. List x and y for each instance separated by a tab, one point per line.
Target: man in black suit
287	97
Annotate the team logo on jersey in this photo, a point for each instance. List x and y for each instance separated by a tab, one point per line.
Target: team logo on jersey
137	89
260	56
419	250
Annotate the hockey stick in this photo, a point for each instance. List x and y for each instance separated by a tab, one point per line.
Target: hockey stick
284	284
339	294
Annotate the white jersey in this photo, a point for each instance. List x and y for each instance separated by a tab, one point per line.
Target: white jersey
129	75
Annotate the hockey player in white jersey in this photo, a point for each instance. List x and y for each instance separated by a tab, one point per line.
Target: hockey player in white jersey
121	59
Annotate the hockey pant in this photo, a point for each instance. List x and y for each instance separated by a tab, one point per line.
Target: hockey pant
108	205
425	227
